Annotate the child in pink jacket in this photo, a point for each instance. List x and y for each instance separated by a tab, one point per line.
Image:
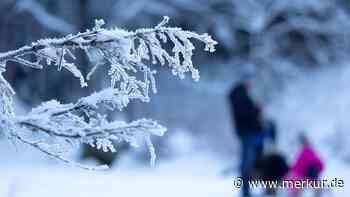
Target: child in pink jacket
308	166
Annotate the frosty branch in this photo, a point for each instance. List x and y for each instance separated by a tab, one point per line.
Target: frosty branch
55	128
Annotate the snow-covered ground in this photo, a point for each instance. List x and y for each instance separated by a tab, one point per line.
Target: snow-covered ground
29	174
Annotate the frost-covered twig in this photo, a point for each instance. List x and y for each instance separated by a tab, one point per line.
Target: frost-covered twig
53	127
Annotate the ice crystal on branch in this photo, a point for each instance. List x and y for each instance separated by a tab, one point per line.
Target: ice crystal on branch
55	128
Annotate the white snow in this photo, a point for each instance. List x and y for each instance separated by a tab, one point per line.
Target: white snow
30	174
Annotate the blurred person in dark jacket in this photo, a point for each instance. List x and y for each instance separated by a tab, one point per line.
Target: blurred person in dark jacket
249	128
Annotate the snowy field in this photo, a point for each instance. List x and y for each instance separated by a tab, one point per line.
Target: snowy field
25	175
29	174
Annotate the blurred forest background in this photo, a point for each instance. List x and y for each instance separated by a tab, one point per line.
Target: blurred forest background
278	41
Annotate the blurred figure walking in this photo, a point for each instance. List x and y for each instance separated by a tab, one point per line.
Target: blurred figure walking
308	166
247	120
